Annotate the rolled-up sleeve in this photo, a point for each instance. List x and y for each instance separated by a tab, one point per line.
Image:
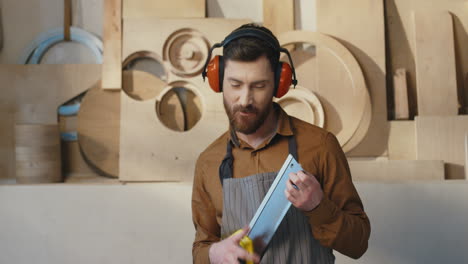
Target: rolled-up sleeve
204	218
339	221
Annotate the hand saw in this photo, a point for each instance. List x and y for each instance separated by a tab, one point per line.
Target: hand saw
273	208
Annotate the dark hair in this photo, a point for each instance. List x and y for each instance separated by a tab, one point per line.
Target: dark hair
251	48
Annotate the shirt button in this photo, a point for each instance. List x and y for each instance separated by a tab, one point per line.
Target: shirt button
254	154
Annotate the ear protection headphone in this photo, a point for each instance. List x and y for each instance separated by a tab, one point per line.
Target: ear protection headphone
285	75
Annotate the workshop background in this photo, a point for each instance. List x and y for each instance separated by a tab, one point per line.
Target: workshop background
103	113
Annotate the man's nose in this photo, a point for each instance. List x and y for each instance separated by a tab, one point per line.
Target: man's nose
245	97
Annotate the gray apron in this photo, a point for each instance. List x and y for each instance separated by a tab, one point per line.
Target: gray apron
293	241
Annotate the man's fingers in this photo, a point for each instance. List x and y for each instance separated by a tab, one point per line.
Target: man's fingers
245	255
237	236
291	189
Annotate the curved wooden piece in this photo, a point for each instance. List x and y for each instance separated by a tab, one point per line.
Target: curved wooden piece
303	104
342	90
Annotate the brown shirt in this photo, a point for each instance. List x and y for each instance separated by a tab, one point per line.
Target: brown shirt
338	222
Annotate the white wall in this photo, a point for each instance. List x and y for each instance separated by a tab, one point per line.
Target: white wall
151	223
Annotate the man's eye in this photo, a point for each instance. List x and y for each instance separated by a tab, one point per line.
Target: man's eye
260	86
235	84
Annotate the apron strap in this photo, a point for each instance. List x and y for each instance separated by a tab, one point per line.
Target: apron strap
225	169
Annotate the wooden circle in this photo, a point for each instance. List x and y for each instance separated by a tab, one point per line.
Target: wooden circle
186	51
303	104
336	78
99	120
98	129
37	149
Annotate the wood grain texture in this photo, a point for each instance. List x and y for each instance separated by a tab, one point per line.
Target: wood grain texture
401	40
99	129
443	138
41	89
149	151
400	88
7	146
396	170
164	9
402	140
435	64
141	85
72	158
112	41
37	149
278	15
359	25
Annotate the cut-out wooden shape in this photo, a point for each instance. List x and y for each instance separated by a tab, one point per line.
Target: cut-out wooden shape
112	41
343	94
435	64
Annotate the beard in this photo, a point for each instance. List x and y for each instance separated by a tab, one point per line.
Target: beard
246	124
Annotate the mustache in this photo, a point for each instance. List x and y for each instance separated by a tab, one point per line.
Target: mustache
245	109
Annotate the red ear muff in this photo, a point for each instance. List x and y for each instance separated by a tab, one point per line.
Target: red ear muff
285	80
213	74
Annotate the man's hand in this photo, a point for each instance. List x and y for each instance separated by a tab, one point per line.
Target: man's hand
306	194
229	251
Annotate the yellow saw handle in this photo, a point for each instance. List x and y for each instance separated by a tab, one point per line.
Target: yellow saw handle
247	244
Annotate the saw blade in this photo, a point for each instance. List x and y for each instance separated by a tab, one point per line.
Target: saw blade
273	208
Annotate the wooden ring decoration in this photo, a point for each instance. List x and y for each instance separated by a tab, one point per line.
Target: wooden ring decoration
352	106
186	51
301	98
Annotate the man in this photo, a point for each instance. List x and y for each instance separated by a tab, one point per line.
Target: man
233	174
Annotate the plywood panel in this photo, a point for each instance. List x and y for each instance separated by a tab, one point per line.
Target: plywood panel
278	15
164	9
401	39
150	151
402	140
359	25
38	158
443	138
435	64
41	89
7	115
112	41
396	170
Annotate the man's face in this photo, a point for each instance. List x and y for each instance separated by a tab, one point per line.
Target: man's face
247	93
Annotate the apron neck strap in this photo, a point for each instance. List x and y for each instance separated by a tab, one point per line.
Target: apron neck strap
225	169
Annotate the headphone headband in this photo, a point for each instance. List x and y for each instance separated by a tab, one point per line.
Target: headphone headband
255	33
